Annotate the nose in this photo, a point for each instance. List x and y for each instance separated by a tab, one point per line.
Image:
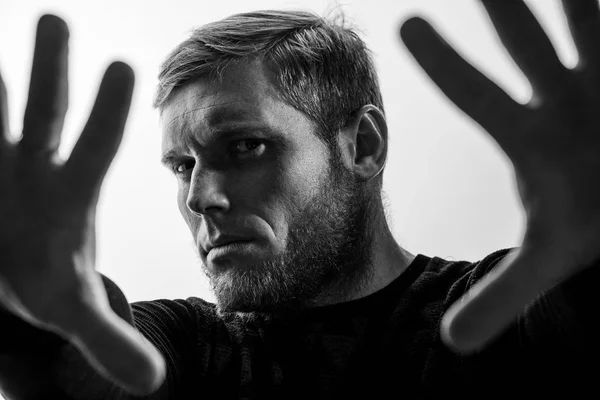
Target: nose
207	192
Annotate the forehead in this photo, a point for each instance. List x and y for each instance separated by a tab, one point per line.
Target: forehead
243	95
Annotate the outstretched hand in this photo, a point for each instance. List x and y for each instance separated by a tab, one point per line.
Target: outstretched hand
47	216
553	143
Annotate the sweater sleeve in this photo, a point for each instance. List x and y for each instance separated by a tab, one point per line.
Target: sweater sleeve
563	321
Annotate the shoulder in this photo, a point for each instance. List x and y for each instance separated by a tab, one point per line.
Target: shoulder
450	278
473	269
190	314
456	269
193	318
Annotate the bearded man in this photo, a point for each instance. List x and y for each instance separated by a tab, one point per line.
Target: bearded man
274	127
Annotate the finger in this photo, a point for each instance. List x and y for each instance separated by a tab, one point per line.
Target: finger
493	304
94	151
120	353
583	17
465	86
48	88
529	46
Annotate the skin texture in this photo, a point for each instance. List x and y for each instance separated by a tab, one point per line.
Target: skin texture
297	220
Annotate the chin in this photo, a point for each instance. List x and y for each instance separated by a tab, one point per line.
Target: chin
243	295
245	303
242	310
237	292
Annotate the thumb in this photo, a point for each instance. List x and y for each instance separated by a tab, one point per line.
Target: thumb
494	302
119	352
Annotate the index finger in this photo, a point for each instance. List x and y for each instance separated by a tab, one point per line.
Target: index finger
93	153
470	90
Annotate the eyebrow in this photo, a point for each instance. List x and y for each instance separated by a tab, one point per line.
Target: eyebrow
167	158
218	132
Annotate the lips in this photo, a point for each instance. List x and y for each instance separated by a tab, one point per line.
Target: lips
223	240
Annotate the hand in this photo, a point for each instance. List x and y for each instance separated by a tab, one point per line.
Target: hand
553	143
47	216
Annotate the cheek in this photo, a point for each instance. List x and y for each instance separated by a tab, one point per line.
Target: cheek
305	174
289	193
268	194
259	192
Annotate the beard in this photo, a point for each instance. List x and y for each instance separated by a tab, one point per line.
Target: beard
326	260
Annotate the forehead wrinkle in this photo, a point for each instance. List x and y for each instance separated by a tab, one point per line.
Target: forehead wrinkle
188	112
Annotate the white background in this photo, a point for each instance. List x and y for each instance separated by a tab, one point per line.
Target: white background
450	189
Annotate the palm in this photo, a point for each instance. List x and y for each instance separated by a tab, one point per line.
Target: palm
553	144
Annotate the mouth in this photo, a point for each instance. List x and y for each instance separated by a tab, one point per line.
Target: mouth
236	248
225	243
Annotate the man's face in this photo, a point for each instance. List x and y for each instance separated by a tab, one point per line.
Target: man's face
276	220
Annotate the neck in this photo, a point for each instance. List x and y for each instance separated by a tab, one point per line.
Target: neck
390	260
387	262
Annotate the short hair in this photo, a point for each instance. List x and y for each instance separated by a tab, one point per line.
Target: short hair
319	66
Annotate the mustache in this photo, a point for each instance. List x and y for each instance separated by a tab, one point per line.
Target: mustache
211	231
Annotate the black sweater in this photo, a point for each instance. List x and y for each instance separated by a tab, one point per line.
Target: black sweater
382	346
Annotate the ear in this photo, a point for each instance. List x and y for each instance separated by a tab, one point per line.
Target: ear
364	143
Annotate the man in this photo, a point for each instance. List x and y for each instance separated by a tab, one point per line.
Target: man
274	128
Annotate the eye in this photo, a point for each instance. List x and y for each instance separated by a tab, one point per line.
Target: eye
182	168
248	147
